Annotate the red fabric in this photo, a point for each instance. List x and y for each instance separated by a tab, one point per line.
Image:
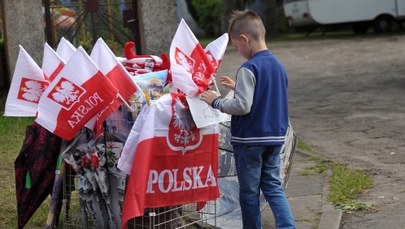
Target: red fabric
126	89
167	171
97	96
56	72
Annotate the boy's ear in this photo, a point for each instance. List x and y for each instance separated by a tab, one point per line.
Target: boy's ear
244	38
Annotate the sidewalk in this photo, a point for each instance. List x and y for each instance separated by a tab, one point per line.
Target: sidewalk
307	195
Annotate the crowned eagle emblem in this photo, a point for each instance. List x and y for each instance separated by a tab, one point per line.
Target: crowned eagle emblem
31	90
183	132
66	93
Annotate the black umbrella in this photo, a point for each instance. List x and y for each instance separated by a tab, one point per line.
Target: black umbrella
35	170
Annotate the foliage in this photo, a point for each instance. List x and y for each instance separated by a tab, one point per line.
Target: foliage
353	205
321	166
304	147
12	133
208	15
346	184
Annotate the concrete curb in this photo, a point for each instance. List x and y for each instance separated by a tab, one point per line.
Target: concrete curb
331	217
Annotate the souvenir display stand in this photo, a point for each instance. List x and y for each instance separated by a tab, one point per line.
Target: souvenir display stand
86	206
77	209
128	128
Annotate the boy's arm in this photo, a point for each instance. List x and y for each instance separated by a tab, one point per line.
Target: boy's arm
243	97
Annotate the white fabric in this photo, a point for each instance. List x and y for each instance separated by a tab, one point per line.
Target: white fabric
103	57
216	49
25	68
184	40
65	49
153	121
51	61
78	70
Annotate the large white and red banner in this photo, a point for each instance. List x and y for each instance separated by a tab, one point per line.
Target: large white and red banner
77	94
52	63
109	65
26	87
170	161
190	66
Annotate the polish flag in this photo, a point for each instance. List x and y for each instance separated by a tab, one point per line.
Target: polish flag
170	161
52	63
109	65
65	49
26	87
215	50
189	64
78	93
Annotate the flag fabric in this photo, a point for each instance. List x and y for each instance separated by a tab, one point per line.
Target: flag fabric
65	49
109	65
26	87
215	50
78	93
52	63
170	161
190	66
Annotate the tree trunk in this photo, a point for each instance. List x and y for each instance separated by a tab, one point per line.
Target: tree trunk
229	7
272	14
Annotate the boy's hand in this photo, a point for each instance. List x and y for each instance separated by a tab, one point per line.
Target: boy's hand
227	82
208	96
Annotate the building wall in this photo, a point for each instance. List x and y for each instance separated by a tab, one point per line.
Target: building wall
158	25
23	25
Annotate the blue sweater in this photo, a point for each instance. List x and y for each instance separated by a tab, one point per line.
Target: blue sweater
267	121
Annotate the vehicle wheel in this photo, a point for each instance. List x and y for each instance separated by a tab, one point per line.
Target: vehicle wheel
360	27
383	24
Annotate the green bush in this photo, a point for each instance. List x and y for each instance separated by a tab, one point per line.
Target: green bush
208	15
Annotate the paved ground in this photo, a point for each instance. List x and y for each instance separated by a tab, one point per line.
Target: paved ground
307	194
347	102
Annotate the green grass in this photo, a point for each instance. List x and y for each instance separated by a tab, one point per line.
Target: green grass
12	133
345	183
345	186
302	146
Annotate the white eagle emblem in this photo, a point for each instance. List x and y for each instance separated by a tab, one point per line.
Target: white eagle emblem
184	121
32	90
66	93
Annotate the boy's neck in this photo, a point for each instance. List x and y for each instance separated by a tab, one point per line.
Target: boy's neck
257	47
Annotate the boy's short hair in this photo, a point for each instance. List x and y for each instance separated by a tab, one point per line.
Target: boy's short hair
246	22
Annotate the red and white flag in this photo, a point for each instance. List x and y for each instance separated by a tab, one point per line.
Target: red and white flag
52	63
170	161
215	50
189	64
77	94
26	87
109	65
65	49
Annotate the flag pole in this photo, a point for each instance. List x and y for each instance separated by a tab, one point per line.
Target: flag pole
125	103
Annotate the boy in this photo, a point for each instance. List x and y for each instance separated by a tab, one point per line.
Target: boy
259	122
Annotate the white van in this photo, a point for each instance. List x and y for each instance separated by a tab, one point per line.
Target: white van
380	14
297	13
